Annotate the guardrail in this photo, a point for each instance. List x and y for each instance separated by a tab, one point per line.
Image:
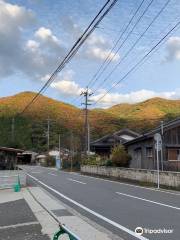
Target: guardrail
64	230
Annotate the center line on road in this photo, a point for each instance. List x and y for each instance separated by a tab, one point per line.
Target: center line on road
115	224
52	174
70	179
147	200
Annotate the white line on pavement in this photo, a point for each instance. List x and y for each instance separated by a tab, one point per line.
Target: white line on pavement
18	225
132	185
35	172
52	174
115	224
147	200
73	180
122	183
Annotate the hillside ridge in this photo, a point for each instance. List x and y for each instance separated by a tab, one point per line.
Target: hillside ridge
66	118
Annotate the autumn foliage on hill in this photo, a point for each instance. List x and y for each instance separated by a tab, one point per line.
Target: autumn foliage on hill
31	127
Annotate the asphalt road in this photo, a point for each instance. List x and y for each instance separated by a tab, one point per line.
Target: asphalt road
119	207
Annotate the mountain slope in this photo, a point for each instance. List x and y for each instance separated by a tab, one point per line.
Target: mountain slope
31	127
41	109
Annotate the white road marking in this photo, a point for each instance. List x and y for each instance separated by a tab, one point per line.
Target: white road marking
115	224
128	184
52	174
74	173
73	180
19	225
147	200
35	172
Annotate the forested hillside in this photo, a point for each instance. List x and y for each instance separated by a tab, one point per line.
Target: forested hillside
30	128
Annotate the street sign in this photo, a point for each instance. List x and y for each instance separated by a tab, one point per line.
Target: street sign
158	139
158	147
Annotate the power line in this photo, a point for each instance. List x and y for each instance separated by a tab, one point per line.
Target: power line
95	76
141	60
94	23
115	45
125	40
135	43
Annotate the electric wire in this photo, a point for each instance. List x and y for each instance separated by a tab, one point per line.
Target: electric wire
140	61
133	46
74	49
115	45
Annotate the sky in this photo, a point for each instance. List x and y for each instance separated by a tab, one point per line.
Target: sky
35	35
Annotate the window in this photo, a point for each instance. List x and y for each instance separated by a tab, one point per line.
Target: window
173	154
173	136
178	132
149	152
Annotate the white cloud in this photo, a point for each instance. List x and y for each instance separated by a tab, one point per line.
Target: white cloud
45	78
66	86
173	49
45	35
49	42
133	97
14	15
97	40
34	57
13	19
101	54
97	47
32	45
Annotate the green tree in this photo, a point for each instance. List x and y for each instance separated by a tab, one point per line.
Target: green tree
119	156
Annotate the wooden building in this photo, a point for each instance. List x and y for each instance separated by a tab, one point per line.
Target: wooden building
104	145
8	157
143	153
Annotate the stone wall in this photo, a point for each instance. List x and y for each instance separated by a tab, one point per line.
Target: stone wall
167	178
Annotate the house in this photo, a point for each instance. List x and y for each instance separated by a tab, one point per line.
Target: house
104	145
143	153
8	157
27	157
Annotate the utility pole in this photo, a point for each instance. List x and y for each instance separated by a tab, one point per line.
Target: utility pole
12	130
60	151
86	94
88	143
59	146
48	128
72	150
162	132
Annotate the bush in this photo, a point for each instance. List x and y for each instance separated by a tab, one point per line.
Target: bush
108	163
119	156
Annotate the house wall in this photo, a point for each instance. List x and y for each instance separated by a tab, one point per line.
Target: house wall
171	152
169	179
143	161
